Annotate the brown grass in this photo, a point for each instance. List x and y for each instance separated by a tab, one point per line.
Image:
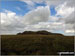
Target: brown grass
36	44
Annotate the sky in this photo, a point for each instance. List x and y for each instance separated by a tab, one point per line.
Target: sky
56	16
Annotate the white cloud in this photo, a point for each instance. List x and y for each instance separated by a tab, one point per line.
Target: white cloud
71	18
40	14
54	2
49	26
7	17
70	31
67	12
64	10
10	22
18	8
40	19
37	19
29	2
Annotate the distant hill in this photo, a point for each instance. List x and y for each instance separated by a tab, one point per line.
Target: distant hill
43	32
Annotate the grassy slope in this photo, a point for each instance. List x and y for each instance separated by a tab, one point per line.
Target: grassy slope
36	44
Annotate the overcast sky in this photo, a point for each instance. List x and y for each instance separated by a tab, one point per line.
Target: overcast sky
55	16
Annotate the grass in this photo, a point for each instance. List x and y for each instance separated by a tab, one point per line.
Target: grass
36	44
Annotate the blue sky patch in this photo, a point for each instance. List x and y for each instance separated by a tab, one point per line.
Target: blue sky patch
19	7
15	6
40	4
52	10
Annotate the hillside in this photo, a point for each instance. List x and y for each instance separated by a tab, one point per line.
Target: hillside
36	44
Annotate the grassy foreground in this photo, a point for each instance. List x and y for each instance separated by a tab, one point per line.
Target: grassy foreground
35	44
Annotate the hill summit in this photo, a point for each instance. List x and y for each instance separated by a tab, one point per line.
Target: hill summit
42	32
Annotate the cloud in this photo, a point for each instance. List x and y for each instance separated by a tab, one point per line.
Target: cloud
40	14
64	10
40	18
37	19
54	2
18	8
33	4
28	2
70	31
49	26
67	12
71	18
10	22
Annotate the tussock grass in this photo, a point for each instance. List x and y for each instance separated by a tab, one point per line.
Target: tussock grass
36	44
